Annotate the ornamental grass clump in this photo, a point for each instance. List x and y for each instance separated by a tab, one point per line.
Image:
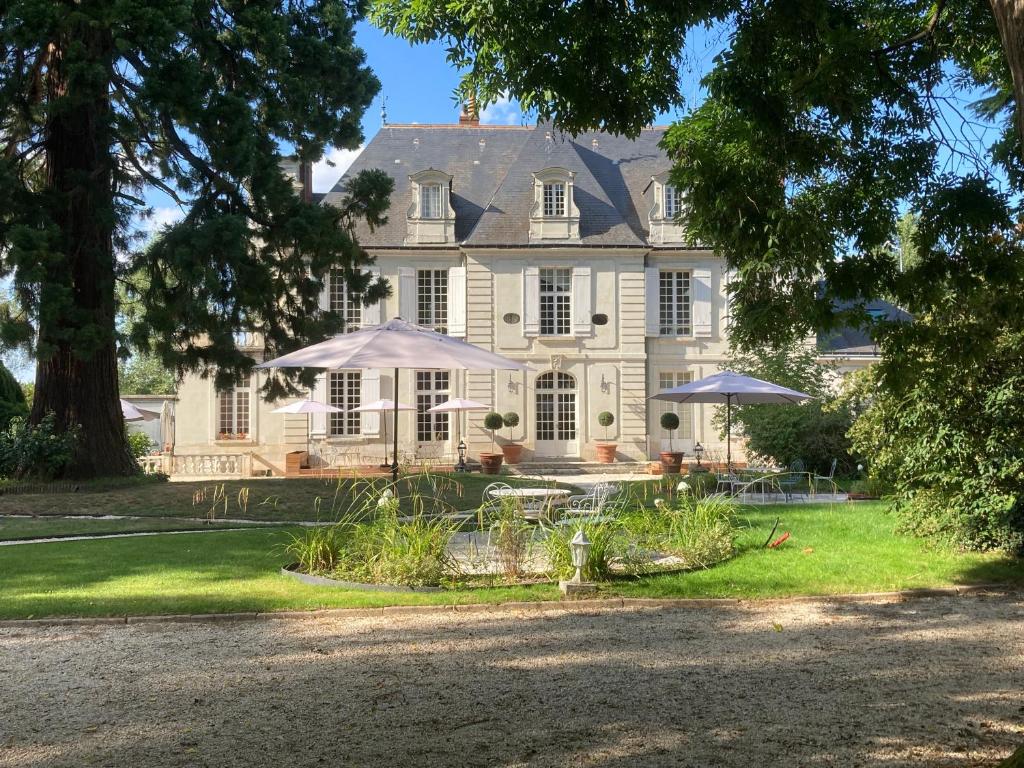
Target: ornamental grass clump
371	543
700	532
511	536
608	547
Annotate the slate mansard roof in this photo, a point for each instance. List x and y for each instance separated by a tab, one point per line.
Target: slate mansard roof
492	171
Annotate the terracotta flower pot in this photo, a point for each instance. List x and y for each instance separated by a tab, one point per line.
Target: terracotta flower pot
606	452
513	452
490	463
671	462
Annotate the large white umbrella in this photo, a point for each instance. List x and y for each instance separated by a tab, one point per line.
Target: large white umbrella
167	424
731	388
132	413
309	407
399	345
380	406
455	405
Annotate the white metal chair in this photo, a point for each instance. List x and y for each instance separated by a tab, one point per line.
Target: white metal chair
591	505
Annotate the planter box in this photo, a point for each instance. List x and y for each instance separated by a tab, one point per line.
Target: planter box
512	452
671	462
606	452
490	463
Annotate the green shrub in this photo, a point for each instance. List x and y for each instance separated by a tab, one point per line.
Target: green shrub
139	444
669	422
35	451
605	419
12	398
493	421
510	535
510	420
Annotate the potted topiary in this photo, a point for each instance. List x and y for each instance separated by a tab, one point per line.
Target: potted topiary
512	451
671	461
606	450
490	463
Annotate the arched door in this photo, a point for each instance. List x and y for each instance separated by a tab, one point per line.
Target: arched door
556	415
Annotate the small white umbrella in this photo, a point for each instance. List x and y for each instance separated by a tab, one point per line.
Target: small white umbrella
455	405
132	413
309	407
731	388
379	406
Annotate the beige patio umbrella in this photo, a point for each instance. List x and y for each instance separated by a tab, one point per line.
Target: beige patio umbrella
380	406
398	345
167	424
133	413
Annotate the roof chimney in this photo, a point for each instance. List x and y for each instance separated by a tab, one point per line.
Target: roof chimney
470	115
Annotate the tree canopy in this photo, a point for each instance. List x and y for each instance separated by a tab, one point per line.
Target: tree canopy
101	103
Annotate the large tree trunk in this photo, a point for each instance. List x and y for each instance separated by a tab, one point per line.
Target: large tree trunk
1009	16
76	374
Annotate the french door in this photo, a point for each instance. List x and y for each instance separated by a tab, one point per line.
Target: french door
556	417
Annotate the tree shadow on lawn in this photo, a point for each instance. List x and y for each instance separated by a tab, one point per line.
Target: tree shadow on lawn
930	682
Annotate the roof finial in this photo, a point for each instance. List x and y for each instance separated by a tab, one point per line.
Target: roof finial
383	111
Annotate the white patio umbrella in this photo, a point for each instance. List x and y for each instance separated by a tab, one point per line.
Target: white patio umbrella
380	406
309	407
132	413
731	388
398	345
456	405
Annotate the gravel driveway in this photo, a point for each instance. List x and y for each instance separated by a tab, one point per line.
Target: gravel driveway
924	682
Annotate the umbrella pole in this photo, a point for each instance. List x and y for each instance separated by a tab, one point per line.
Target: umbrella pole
728	435
384	423
394	455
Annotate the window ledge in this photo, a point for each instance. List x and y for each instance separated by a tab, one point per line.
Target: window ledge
247	442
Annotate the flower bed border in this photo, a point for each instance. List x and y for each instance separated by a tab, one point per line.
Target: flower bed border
323	581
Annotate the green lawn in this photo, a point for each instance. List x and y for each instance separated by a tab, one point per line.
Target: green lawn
278	500
14	528
833	549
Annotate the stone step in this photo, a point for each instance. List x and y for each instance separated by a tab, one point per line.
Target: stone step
569	467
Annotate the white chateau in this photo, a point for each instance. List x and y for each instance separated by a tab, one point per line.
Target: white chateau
560	252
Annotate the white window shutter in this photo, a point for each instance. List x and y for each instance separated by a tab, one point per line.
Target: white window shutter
728	278
652	299
457	301
531	301
370	392
319	420
582	308
407	294
371	314
325	293
702	302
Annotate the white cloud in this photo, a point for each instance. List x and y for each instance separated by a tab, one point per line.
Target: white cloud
162	215
325	176
502	112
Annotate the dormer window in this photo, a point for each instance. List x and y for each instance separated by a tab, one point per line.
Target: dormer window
431	218
554	215
666	209
554	199
430	201
672	200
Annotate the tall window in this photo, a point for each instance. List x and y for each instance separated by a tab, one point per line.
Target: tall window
672	200
342	302
233	411
554	199
344	390
432	299
555	301
556	406
674	303
430	201
431	390
668	380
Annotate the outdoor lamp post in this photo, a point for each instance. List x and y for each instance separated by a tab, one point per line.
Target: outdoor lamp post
579	549
698	451
461	448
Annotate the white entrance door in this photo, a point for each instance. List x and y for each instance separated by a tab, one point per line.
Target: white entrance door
556	415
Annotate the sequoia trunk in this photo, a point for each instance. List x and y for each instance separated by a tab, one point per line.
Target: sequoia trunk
1009	16
76	373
